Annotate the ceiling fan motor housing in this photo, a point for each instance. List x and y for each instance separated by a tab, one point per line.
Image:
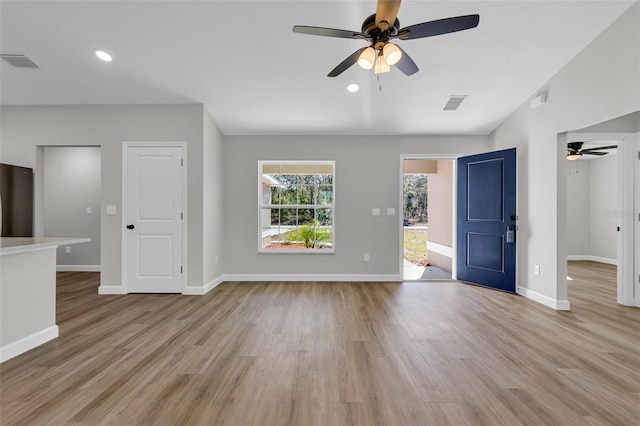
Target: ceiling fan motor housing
371	31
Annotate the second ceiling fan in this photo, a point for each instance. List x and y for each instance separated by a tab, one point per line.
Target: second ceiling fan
382	27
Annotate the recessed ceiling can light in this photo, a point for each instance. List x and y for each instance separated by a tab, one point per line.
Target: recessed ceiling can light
103	55
353	87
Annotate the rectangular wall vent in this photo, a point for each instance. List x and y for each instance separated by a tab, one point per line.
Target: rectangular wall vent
19	61
454	102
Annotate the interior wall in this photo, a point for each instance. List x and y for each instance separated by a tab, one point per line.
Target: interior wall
603	203
578	210
24	128
597	85
592	209
366	177
71	186
213	200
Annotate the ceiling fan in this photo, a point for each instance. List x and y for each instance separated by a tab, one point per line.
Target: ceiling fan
575	151
383	26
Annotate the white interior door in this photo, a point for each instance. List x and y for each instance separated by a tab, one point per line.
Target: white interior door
153	218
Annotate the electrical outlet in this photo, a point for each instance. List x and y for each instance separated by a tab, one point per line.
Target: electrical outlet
366	257
67	250
89	210
536	269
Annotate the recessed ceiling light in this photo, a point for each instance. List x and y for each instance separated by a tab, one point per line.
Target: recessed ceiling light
353	87
103	55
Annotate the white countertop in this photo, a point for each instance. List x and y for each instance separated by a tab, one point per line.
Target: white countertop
11	245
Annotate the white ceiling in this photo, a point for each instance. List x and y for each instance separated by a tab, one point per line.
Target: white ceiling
255	76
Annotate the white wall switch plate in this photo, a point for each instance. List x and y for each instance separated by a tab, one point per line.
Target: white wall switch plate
89	210
391	211
536	269
111	210
375	211
366	257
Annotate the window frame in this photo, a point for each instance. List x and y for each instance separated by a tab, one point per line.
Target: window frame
262	205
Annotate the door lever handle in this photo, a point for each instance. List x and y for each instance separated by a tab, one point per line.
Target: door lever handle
130	226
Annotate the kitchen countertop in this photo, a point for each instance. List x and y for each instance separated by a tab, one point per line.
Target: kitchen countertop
11	245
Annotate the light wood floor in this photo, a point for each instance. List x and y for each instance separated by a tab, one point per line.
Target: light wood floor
426	353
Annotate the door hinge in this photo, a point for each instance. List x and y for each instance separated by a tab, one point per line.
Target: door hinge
181	216
182	162
180	269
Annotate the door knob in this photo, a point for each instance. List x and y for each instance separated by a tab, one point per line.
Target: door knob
130	226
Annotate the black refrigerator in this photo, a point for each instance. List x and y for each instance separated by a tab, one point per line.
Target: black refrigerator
16	195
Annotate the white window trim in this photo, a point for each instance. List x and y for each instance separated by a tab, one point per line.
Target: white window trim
332	206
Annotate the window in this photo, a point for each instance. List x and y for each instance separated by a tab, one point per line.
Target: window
296	206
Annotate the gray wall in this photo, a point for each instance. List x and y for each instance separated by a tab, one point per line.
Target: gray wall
603	205
578	209
599	84
592	203
24	128
71	185
212	200
367	176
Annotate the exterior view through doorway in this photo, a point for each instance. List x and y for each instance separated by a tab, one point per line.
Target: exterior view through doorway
427	218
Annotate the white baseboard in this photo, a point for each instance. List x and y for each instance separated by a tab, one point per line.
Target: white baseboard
111	289
198	291
592	258
78	268
558	305
27	343
313	277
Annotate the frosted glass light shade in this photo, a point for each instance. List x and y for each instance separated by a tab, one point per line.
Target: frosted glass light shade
381	65
367	58
391	53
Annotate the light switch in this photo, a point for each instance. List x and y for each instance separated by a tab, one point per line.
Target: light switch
111	210
89	210
391	211
375	211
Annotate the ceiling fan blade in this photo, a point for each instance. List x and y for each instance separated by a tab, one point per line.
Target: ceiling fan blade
440	26
326	32
593	153
344	65
406	64
599	148
386	13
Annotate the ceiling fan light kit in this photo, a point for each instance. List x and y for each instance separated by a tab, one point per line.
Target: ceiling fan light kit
574	156
378	31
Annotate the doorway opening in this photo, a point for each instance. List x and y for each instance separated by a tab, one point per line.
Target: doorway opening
71	203
427	218
595	215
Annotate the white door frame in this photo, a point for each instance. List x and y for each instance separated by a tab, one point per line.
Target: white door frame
625	260
635	158
454	224
125	154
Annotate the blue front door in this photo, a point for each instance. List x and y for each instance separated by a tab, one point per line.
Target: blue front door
487	219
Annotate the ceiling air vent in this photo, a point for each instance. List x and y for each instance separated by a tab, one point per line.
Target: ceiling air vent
454	102
19	61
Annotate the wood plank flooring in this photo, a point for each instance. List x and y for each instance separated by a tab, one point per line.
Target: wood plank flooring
425	353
